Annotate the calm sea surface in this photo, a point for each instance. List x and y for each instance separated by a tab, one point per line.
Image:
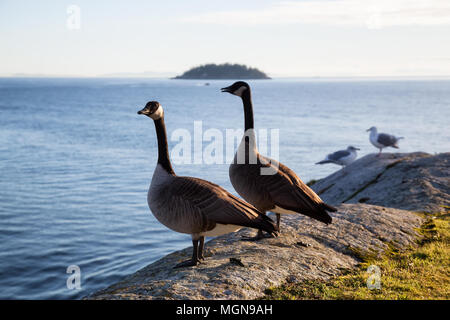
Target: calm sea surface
76	161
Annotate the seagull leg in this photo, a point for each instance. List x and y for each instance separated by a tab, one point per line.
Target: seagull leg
379	153
194	260
200	248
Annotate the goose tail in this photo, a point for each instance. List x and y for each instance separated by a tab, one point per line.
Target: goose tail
328	207
321	214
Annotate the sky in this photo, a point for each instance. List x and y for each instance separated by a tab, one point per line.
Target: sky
305	38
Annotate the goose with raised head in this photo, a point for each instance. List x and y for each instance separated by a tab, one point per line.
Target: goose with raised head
266	183
341	157
192	205
382	140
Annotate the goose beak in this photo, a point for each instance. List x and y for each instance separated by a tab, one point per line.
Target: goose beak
143	111
226	89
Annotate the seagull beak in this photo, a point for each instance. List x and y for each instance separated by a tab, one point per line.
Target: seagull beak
357	149
367	130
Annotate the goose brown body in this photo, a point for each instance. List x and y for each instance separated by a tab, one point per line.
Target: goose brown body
192	205
199	207
282	192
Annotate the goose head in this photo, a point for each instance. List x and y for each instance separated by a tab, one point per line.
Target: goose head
153	109
352	148
372	129
238	88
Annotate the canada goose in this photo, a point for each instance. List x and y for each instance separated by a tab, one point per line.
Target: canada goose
382	140
191	205
281	191
341	157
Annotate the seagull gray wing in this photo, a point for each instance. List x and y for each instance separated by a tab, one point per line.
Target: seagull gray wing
386	139
336	156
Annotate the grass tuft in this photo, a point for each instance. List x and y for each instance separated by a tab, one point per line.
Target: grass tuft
418	272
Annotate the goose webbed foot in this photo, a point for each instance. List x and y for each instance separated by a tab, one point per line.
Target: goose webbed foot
197	254
187	263
260	235
272	235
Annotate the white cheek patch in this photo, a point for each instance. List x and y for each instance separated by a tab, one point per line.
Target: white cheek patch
239	91
157	114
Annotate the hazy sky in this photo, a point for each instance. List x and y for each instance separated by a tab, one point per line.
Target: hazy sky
282	38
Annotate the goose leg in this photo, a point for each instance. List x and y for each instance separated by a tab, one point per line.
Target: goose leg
194	260
260	235
278	222
200	248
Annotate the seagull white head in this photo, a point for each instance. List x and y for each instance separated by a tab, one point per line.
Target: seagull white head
153	109
372	129
238	88
352	148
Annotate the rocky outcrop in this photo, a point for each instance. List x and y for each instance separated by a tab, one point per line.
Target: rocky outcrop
412	181
306	249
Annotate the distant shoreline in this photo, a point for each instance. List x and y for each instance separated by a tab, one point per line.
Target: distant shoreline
331	78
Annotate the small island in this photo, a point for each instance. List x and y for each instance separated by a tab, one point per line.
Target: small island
223	71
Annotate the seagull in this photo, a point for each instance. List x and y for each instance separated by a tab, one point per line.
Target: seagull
383	140
341	157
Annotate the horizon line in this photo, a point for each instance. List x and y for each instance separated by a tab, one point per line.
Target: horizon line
280	77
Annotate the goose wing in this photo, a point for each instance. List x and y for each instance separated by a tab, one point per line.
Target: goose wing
282	188
202	204
286	188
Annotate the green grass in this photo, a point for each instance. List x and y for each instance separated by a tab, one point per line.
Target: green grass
419	272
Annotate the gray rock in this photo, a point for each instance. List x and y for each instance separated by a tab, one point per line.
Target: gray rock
306	249
270	262
413	181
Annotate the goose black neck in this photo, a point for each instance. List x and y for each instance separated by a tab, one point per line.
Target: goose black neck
248	109
163	148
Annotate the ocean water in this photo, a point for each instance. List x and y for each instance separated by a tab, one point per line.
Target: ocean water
76	160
